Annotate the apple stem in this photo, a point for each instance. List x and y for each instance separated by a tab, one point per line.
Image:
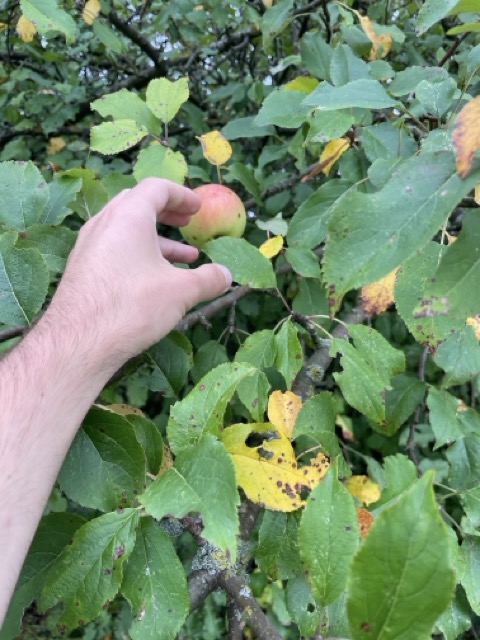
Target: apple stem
166	134
219	174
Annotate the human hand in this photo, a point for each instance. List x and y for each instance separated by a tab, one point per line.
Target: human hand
119	281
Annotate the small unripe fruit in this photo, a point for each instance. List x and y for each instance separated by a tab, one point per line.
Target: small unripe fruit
221	214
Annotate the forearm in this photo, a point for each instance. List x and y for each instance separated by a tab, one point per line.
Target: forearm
47	384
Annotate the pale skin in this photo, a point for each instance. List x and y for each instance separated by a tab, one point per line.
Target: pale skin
119	294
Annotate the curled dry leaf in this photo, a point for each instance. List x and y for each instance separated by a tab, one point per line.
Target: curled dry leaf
365	521
466	136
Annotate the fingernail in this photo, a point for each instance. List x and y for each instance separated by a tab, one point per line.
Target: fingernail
227	275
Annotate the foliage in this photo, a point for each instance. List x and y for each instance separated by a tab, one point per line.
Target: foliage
310	443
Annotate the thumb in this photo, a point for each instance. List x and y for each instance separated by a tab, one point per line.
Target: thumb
208	282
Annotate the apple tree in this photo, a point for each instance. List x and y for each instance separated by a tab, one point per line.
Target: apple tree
300	457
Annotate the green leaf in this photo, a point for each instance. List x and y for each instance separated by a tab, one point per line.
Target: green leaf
259	349
246	176
412	279
283	108
164	97
253	394
209	355
459	357
308	227
465	6
402	217
112	137
92	197
149	438
24	282
126	105
402	399
367	369
155	585
303	261
311	299
432	11
316	416
316	54
456	619
302	607
363	93
202	480
105	466
246	128
289	357
399	474
329	125
48	17
407	80
436	97
277	552
202	410
274	20
158	161
385	141
54	532
107	37
88	573
471	505
171	359
462	28
53	243
62	192
402	578
247	265
464	460
277	226
444	417
23	193
454	289
470	579
327	538
345	66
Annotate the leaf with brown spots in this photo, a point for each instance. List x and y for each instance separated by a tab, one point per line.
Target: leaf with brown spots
282	411
466	136
266	467
378	296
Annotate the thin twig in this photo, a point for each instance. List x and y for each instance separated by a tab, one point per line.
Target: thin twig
453	48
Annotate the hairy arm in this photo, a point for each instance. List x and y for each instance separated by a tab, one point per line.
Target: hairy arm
119	294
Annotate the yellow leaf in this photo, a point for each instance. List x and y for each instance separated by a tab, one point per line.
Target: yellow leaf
303	83
266	468
123	409
267	3
365	521
466	136
216	149
282	411
26	29
381	42
55	144
332	152
361	487
91	11
475	323
271	247
378	296
477	193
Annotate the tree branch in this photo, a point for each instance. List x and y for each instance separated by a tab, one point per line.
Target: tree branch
136	37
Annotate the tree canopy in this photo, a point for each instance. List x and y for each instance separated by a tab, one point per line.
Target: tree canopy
307	446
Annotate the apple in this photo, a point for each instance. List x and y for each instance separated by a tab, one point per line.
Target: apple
221	214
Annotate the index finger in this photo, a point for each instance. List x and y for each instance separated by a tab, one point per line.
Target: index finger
162	198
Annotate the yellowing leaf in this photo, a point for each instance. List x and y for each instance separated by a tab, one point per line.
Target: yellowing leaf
303	83
91	11
361	487
282	411
271	247
26	29
55	144
365	521
332	152
475	323
3	25
477	193
380	43
167	460
466	136
123	409
267	3
266	468
378	296
216	149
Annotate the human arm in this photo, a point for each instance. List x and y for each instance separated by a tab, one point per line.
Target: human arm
119	295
